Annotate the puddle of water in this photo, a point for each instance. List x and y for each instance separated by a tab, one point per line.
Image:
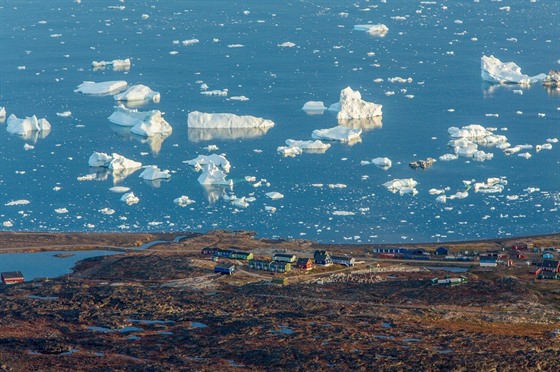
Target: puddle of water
46	298
198	325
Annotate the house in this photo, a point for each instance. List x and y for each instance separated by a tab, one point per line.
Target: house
442	251
284	257
519	246
322	258
391	250
273	266
227	269
304	263
343	260
234	254
12	277
209	250
488	261
552	266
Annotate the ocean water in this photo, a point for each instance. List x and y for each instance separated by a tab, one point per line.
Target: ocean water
47	49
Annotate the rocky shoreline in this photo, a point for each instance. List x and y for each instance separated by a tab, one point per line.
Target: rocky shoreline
163	308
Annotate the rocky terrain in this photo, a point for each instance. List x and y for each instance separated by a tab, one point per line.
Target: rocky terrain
163	308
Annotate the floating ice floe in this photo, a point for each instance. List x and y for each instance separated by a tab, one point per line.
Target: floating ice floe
545	146
492	185
107	211
482	156
290	151
183	201
496	71
516	149
274	195
525	155
399	79
138	92
143	123
119	189
103	88
64	114
190	42
117	64
402	186
216	92
338	133
384	163
25	127
269	209
212	173
2	113
198	119
152	172
314	107
129	198
374	30
201	161
552	140
287	44
114	162
17	202
448	157
351	106
309	146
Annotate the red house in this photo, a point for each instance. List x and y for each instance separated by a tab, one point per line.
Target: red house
12	277
304	263
519	246
552	266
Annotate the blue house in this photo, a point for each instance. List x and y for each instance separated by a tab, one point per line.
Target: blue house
227	269
442	251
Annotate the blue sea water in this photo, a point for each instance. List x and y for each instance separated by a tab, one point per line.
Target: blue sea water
47	48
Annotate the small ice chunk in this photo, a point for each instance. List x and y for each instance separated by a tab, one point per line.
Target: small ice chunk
118	64
64	114
129	198
374	30
274	195
61	210
107	211
152	172
309	146
216	92
552	140
106	87
290	151
436	191
183	201
525	155
287	44
402	186
382	162
17	202
482	156
27	147
441	199
269	209
212	175
448	157
238	98
211	148
190	42
138	92
204	160
2	112
119	189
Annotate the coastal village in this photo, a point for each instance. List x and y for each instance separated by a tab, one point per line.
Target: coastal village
229	300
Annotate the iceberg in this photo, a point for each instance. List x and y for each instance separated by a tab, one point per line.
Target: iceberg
120	163
482	156
143	123
402	186
2	114
290	151
118	64
99	159
375	30
138	92
103	88
198	119
351	106
309	146
203	160
274	195
476	133
496	71
121	167
183	201
212	175
314	106
552	79
26	127
129	198
338	133
384	163
152	172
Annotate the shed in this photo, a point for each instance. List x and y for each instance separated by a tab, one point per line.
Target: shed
304	263
488	261
225	269
12	277
279	281
284	257
442	251
343	260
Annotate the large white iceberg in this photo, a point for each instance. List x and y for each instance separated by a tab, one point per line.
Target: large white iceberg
121	167
106	87
138	92
198	119
143	123
495	71
351	106
375	30
24	127
338	133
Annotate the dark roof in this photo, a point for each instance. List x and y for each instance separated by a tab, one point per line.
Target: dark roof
303	261
553	264
488	259
224	267
12	275
288	255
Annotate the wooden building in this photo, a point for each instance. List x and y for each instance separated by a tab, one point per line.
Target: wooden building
284	257
442	251
343	260
234	254
273	266
12	277
322	258
227	269
209	250
304	263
